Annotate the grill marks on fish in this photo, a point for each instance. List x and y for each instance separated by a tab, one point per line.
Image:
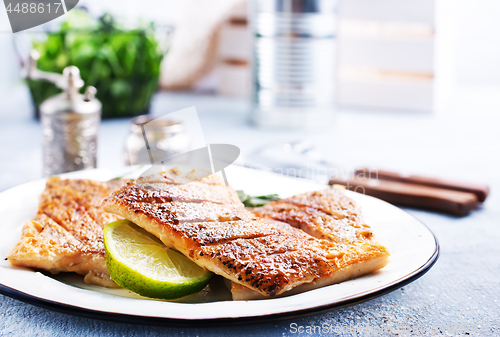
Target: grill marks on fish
229	240
66	234
332	224
299	243
218	233
163	192
326	214
271	264
186	211
77	221
332	216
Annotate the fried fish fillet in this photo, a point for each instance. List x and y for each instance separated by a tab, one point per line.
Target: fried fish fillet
205	221
327	215
349	261
221	236
66	234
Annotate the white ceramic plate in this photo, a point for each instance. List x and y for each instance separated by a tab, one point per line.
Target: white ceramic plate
413	248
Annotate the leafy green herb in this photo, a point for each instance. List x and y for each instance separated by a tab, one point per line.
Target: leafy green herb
124	65
256	201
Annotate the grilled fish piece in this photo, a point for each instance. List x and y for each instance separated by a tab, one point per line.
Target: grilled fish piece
330	216
237	245
66	234
262	257
327	214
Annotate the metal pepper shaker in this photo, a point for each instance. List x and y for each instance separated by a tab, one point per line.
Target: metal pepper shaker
70	122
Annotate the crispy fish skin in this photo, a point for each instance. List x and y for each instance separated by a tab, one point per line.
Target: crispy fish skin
162	192
327	214
45	245
263	256
331	201
66	234
331	217
249	251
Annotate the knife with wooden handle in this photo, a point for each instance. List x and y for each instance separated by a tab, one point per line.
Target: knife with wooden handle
413	195
481	191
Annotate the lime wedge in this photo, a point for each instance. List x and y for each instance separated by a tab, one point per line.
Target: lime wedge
138	261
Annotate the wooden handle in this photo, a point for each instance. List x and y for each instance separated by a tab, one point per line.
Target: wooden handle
481	191
412	195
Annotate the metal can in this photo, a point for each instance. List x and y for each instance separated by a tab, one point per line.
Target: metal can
294	70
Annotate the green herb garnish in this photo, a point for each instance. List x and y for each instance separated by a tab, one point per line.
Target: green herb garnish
256	201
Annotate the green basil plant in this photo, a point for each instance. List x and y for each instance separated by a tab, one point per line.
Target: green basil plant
124	65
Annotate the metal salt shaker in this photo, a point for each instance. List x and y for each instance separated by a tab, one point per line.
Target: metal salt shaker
70	122
294	68
152	140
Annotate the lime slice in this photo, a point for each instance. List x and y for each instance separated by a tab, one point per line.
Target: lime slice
140	262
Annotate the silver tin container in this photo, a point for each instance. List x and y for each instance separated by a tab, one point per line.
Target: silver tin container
70	126
152	140
294	70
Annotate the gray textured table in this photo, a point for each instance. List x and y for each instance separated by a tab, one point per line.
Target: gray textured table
460	295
